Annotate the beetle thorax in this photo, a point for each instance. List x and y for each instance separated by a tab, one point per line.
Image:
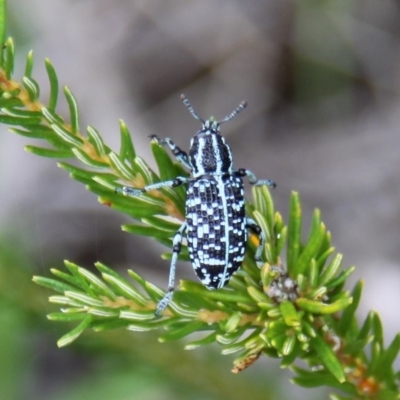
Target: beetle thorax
209	154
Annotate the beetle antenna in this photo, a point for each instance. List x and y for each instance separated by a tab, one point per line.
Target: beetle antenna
186	102
236	111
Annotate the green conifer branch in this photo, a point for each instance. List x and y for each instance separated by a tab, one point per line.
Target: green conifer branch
297	311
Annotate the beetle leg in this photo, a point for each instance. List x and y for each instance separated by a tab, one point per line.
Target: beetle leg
253	179
179	154
176	249
134	192
251	224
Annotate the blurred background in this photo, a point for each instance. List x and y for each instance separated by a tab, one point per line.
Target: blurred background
322	82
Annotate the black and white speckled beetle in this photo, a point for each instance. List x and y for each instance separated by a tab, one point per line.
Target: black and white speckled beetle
216	224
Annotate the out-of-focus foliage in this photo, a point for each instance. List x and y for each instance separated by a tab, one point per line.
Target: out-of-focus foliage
302	320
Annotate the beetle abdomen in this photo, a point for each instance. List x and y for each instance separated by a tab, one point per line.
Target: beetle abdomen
216	230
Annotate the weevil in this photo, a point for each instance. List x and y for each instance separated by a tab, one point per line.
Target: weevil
216	224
